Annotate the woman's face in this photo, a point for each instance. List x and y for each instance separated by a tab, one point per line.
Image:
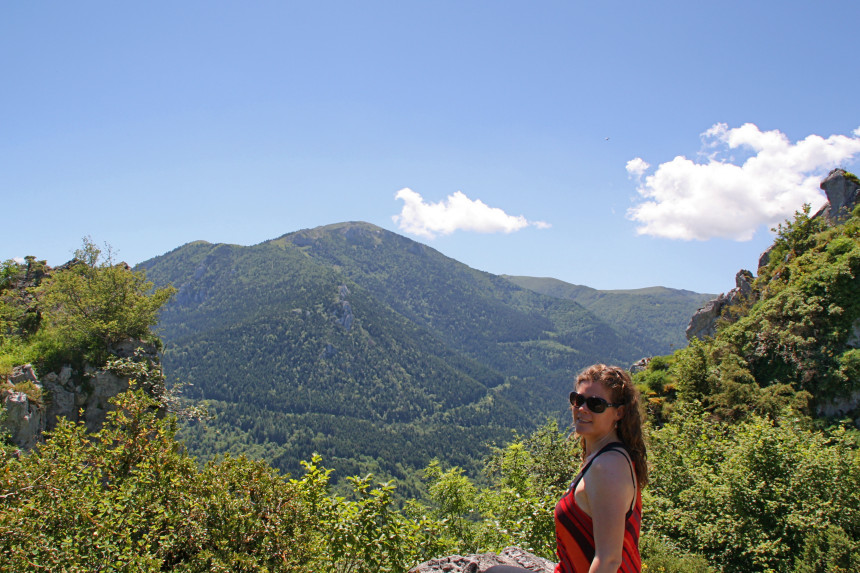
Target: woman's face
592	425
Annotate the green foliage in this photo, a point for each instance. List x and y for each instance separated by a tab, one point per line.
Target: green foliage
75	313
524	481
95	303
750	496
454	497
785	347
131	499
747	495
437	359
656	378
659	556
829	550
367	533
797	332
690	369
655	315
851	177
33	392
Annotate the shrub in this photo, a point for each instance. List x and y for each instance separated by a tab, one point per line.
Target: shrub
746	495
131	499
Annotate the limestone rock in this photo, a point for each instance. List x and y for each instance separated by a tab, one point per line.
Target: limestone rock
23	373
854	338
640	365
24	419
68	394
478	563
704	322
839	407
842	195
105	385
347	318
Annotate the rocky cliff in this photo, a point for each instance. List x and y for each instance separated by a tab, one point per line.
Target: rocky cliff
34	403
842	190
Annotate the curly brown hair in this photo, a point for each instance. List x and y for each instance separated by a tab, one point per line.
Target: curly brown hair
629	428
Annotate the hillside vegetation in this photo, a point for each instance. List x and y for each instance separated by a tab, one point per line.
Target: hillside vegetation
657	314
753	448
373	350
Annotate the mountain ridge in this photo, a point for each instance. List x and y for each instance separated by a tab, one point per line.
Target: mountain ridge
301	340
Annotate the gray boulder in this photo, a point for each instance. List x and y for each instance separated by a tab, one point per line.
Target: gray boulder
478	563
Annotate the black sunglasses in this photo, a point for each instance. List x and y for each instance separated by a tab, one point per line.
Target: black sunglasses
595	403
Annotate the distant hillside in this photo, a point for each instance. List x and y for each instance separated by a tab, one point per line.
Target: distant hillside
372	349
658	315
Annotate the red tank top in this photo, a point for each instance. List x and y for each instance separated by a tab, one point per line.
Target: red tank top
574	531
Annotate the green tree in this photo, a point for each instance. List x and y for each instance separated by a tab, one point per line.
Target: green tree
95	303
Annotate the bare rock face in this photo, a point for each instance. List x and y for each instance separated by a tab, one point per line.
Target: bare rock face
479	563
839	407
842	194
68	394
25	420
704	322
854	339
25	417
640	365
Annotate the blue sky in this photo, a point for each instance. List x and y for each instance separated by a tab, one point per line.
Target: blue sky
614	144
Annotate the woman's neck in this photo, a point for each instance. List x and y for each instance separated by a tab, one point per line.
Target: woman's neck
594	446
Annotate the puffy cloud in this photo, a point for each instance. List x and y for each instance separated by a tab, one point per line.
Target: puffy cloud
456	213
683	199
637	167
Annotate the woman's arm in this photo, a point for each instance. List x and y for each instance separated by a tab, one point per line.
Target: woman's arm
610	492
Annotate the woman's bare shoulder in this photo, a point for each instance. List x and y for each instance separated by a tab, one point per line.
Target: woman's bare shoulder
611	462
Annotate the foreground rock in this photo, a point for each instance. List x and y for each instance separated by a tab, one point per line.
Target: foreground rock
481	562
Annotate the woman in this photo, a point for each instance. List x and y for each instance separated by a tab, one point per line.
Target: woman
597	520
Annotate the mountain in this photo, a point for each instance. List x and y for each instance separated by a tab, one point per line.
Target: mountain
374	350
657	314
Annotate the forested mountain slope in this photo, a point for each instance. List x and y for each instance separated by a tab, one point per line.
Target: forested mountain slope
658	314
369	348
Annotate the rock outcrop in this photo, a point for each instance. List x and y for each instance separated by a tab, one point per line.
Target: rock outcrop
704	322
78	396
479	563
843	192
25	415
640	365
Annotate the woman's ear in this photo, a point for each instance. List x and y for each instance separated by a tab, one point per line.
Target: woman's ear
619	412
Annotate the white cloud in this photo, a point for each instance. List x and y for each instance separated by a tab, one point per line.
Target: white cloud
456	213
637	167
19	260
687	200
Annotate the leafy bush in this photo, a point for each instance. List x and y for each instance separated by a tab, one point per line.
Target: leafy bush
659	556
747	495
130	499
95	303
